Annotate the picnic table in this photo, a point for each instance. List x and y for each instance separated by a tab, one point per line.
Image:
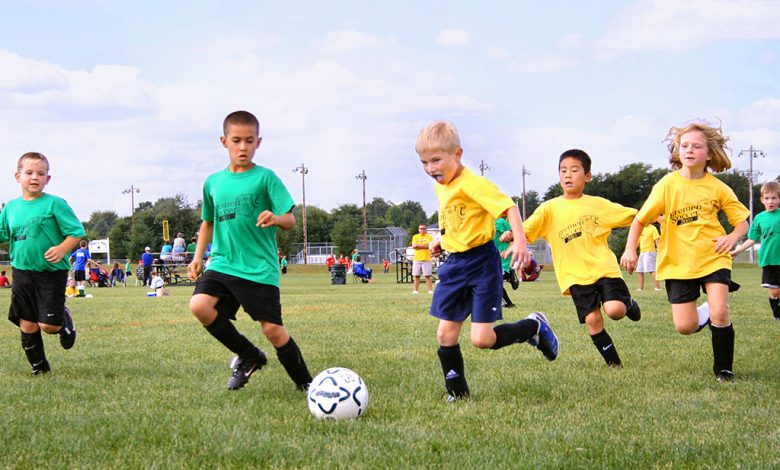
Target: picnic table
174	274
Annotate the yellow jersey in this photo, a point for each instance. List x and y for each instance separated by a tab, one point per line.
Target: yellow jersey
647	239
422	255
468	207
690	224
577	231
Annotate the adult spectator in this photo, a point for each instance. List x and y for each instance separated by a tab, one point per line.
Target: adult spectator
165	251
422	265
147	259
191	248
360	270
4	282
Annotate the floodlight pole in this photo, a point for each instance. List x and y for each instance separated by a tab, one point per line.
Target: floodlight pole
303	171
362	176
132	190
525	172
483	167
751	154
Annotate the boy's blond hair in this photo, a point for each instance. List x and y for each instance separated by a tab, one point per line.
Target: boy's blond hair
772	187
716	146
439	135
32	156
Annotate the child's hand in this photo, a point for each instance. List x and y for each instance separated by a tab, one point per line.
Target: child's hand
195	269
628	261
55	254
435	247
725	243
266	219
519	253
506	237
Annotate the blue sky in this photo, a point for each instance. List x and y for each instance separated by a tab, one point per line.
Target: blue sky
133	93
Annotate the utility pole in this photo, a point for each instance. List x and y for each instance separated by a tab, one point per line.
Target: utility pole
362	176
751	154
132	190
303	171
525	172
483	167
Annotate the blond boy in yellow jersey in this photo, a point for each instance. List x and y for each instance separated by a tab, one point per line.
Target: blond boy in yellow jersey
694	249
648	247
470	280
577	227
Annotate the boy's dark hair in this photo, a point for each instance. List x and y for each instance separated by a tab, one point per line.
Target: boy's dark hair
2	273
576	154
240	118
83	243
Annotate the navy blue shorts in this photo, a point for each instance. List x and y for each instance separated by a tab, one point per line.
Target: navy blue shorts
470	284
260	301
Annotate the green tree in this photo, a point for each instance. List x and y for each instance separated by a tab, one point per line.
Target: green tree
99	224
376	212
345	234
120	237
407	215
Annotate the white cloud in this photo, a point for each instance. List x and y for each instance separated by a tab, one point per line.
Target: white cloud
571	41
498	53
23	74
542	64
453	38
677	26
761	113
350	40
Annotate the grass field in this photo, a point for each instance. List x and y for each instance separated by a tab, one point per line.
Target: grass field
144	387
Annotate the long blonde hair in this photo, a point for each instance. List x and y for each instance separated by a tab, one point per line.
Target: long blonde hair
716	145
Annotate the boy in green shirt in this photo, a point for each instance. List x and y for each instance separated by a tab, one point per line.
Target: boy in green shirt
242	206
43	231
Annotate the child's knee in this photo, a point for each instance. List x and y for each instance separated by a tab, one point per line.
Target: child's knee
615	309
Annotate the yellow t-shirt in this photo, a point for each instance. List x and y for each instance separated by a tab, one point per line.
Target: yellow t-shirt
422	255
577	231
71	291
690	224
468	206
647	239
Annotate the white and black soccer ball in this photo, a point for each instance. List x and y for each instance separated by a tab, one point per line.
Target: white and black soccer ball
337	393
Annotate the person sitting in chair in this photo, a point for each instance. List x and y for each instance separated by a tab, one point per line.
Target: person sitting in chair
530	271
361	271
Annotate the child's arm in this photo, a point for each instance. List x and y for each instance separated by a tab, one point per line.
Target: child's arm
748	243
629	258
725	243
519	248
205	234
56	253
269	219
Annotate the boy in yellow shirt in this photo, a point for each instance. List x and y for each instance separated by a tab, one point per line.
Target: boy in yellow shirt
470	280
648	246
577	227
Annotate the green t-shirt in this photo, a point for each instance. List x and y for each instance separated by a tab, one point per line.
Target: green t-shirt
766	230
232	201
191	247
34	226
502	225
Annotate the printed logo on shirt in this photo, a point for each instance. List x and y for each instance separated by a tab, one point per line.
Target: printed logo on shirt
453	216
585	224
31	229
688	214
244	205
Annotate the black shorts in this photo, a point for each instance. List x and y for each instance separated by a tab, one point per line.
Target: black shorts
79	275
38	297
588	298
770	276
260	301
682	291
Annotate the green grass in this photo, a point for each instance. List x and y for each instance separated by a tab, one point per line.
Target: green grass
144	387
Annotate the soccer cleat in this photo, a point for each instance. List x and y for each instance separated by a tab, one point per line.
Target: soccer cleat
633	312
430	292
302	387
41	368
414	292
244	368
451	397
68	330
509	305
725	376
513	280
615	365
544	339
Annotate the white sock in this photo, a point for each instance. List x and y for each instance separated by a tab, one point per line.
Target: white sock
703	311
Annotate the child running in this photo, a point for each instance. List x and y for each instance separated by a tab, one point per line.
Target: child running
242	207
694	249
577	227
470	280
766	230
43	231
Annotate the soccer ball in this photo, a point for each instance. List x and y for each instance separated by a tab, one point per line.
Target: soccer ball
337	393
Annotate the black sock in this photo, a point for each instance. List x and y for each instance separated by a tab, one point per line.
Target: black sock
452	366
227	334
511	333
507	300
722	348
291	358
32	343
773	303
606	348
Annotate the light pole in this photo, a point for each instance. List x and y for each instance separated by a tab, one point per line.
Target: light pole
303	171
483	167
525	172
751	154
362	176
132	190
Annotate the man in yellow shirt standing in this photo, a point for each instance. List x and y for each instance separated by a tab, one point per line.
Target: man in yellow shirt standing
648	246
421	263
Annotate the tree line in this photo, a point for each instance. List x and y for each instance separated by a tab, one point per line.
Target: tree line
343	226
